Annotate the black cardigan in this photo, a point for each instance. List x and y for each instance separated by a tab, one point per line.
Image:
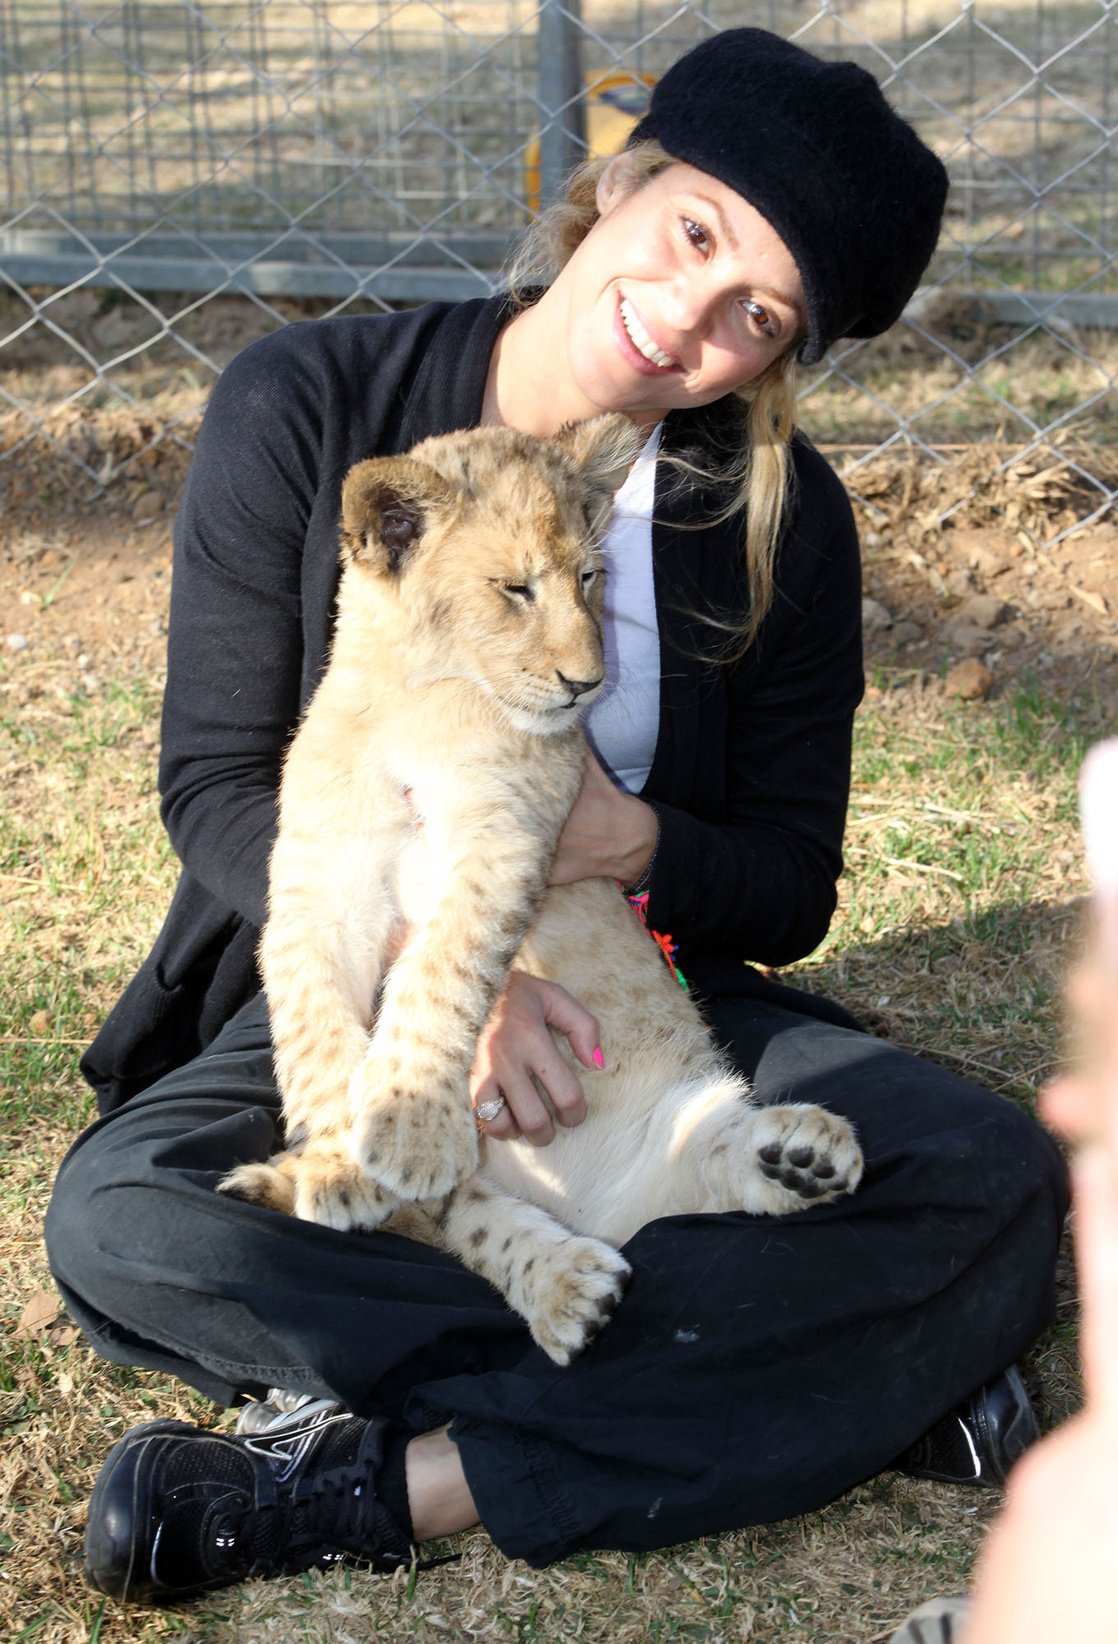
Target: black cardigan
751	769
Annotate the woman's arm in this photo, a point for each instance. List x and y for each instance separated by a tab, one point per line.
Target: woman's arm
235	645
760	883
608	835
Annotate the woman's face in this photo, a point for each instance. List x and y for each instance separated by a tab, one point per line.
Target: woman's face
681	292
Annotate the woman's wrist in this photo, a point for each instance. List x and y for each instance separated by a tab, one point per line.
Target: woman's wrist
636	860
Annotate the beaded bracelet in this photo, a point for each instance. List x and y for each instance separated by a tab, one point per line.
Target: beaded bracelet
638	901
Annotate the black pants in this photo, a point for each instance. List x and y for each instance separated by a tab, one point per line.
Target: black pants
756	1368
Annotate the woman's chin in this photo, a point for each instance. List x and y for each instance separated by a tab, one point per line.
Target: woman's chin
643	398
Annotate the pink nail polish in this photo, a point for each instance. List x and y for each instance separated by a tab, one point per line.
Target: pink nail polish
599	1059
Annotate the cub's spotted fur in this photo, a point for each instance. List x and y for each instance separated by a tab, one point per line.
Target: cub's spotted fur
420	808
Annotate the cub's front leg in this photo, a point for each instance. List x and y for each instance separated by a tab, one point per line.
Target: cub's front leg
319	1183
413	1130
322	955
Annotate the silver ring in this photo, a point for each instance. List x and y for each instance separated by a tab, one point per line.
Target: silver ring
489	1110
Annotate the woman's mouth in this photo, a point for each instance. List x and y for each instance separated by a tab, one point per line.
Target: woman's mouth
641	340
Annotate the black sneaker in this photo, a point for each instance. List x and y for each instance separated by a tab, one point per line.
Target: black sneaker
178	1511
979	1441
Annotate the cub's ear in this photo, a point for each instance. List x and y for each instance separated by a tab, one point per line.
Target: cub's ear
603	448
386	508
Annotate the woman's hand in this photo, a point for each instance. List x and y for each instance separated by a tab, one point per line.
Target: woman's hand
608	834
515	1044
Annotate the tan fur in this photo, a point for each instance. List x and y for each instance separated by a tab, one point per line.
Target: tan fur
420	808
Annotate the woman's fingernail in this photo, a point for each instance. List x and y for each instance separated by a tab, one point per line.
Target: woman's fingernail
599	1059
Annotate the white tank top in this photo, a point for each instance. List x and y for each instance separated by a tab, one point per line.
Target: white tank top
622	724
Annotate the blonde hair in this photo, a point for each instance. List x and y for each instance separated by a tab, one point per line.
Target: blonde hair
758	471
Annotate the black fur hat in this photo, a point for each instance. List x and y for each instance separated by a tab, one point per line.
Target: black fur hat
852	191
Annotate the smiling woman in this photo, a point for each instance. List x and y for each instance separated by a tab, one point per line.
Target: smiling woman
699	314
680	294
769	204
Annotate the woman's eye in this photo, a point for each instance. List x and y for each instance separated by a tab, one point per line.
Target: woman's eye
761	317
696	233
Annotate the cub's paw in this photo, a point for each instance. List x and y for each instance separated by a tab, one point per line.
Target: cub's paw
567	1292
317	1186
800	1155
418	1147
260	1184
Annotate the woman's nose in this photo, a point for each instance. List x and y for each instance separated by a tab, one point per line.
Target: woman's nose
688	306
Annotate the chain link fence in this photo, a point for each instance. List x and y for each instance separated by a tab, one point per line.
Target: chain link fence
180	177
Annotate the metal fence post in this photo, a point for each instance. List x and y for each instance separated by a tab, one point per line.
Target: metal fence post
559	83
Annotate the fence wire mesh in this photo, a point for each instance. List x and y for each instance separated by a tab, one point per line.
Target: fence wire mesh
181	177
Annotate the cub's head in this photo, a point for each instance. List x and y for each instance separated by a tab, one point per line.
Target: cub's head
477	555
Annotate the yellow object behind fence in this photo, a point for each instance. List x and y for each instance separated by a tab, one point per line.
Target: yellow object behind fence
614	104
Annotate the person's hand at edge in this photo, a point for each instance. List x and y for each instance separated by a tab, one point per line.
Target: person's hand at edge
1046	1573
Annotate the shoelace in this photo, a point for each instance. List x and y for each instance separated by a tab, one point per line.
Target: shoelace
339	1508
330	1514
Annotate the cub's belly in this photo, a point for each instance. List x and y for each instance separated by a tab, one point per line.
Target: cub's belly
629	1161
584	1178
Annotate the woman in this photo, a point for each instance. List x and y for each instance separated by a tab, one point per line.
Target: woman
769	204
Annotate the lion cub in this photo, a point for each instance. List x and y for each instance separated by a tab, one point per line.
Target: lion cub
421	804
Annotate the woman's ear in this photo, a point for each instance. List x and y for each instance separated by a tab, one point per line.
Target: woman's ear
617	180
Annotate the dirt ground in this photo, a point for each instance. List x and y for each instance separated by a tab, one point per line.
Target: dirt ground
84	583
85	579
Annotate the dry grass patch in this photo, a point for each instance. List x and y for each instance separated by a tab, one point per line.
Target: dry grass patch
103	383
956	921
961	379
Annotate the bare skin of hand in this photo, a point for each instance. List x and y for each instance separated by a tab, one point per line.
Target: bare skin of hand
516	1044
608	834
1046	1572
1083	1106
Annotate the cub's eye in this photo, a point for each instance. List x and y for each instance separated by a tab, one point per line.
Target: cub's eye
587	578
518	590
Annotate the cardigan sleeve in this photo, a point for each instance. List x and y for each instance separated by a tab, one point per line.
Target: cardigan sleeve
760	884
235	642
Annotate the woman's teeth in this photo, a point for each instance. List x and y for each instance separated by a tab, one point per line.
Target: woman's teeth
640	338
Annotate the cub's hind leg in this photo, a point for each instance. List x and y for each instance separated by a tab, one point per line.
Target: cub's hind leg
320	1184
563	1285
769	1160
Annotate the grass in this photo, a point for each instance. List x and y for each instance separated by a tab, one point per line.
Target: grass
957	911
956	920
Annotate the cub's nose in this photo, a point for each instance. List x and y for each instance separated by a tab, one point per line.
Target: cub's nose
578	687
